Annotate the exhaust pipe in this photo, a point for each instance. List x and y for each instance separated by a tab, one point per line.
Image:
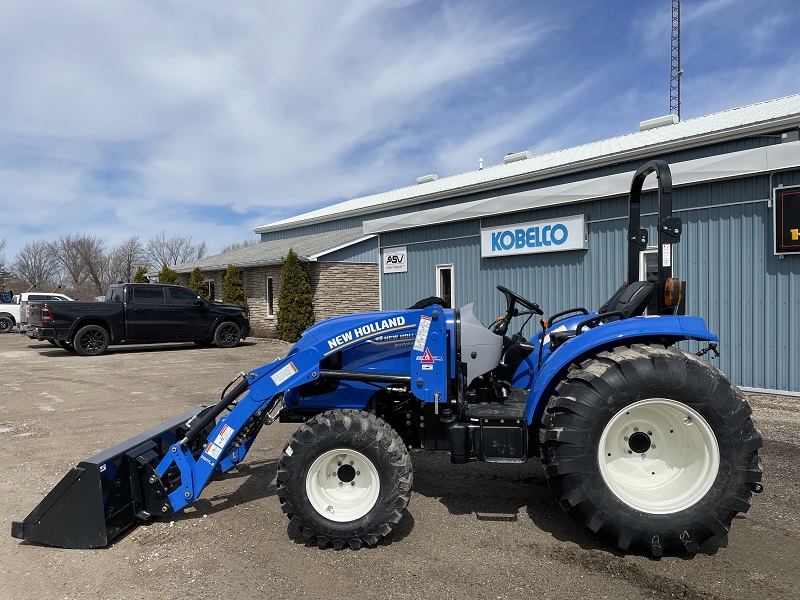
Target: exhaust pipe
108	493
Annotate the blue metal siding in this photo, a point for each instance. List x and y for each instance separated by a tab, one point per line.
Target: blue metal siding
332	225
748	296
362	252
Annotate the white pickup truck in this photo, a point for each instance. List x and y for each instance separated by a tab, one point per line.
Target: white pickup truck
14	314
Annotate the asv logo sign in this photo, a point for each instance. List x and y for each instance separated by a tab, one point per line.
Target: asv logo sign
530	238
395	260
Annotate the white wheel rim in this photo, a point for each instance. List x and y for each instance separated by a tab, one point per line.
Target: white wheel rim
658	456
342	485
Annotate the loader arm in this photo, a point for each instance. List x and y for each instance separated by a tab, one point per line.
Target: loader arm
166	469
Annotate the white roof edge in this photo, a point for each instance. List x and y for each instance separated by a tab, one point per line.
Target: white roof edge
714	168
715	136
324	252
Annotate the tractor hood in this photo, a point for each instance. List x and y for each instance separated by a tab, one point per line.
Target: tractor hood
342	332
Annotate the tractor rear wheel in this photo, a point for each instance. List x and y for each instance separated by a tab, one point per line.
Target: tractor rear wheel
651	448
345	479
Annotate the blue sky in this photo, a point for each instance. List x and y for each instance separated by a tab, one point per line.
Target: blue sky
210	118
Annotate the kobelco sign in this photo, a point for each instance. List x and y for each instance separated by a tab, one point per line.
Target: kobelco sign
528	238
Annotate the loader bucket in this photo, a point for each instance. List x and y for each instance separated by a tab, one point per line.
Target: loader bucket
104	495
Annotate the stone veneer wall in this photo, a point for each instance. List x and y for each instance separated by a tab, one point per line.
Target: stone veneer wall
342	288
339	288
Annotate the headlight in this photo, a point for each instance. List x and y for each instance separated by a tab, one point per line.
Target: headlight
245	315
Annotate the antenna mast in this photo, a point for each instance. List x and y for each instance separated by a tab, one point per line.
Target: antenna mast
675	61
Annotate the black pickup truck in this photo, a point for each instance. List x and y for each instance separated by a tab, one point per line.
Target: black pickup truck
138	313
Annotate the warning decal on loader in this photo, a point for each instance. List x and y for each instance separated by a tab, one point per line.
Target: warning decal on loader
422	333
284	373
223	436
213	450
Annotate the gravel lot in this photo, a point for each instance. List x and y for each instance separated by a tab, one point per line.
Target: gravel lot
472	531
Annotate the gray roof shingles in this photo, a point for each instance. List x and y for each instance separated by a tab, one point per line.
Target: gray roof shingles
273	251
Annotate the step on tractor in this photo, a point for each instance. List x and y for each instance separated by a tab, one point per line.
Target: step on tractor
646	445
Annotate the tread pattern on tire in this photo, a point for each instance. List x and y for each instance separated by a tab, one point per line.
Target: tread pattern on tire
218	333
584	402
76	342
338	428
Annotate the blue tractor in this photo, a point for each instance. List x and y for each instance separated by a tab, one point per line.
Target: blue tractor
643	443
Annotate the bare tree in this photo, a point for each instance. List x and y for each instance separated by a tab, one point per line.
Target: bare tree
35	264
65	252
91	251
2	255
242	244
172	251
126	258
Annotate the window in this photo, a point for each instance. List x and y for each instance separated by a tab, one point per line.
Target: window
270	298
445	283
182	296
210	289
148	295
648	271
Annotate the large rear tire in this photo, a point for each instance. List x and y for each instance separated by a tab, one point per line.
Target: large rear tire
91	340
345	479
651	448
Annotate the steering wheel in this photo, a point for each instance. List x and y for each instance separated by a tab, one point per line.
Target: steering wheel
512	297
500	327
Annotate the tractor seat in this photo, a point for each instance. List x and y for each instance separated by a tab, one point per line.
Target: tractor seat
630	300
429	301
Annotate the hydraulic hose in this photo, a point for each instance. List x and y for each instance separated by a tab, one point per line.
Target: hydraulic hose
200	424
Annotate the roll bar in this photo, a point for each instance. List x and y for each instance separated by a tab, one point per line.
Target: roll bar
669	227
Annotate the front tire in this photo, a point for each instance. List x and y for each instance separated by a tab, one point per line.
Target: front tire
345	479
651	448
91	340
227	335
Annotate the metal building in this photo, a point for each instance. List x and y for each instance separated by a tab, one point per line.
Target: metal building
458	237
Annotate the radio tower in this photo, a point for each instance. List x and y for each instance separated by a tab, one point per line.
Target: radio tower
675	61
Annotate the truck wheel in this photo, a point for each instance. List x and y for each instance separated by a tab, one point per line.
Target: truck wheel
227	335
345	479
90	340
6	324
651	448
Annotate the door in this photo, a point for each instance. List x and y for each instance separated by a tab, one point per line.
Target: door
445	284
190	319
148	316
648	271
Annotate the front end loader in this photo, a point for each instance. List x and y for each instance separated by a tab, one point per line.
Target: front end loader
644	444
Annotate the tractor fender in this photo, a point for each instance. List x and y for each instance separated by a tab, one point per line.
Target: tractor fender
604	337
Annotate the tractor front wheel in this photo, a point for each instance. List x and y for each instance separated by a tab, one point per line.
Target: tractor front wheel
651	448
345	479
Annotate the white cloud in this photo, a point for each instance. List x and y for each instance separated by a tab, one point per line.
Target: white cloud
133	117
